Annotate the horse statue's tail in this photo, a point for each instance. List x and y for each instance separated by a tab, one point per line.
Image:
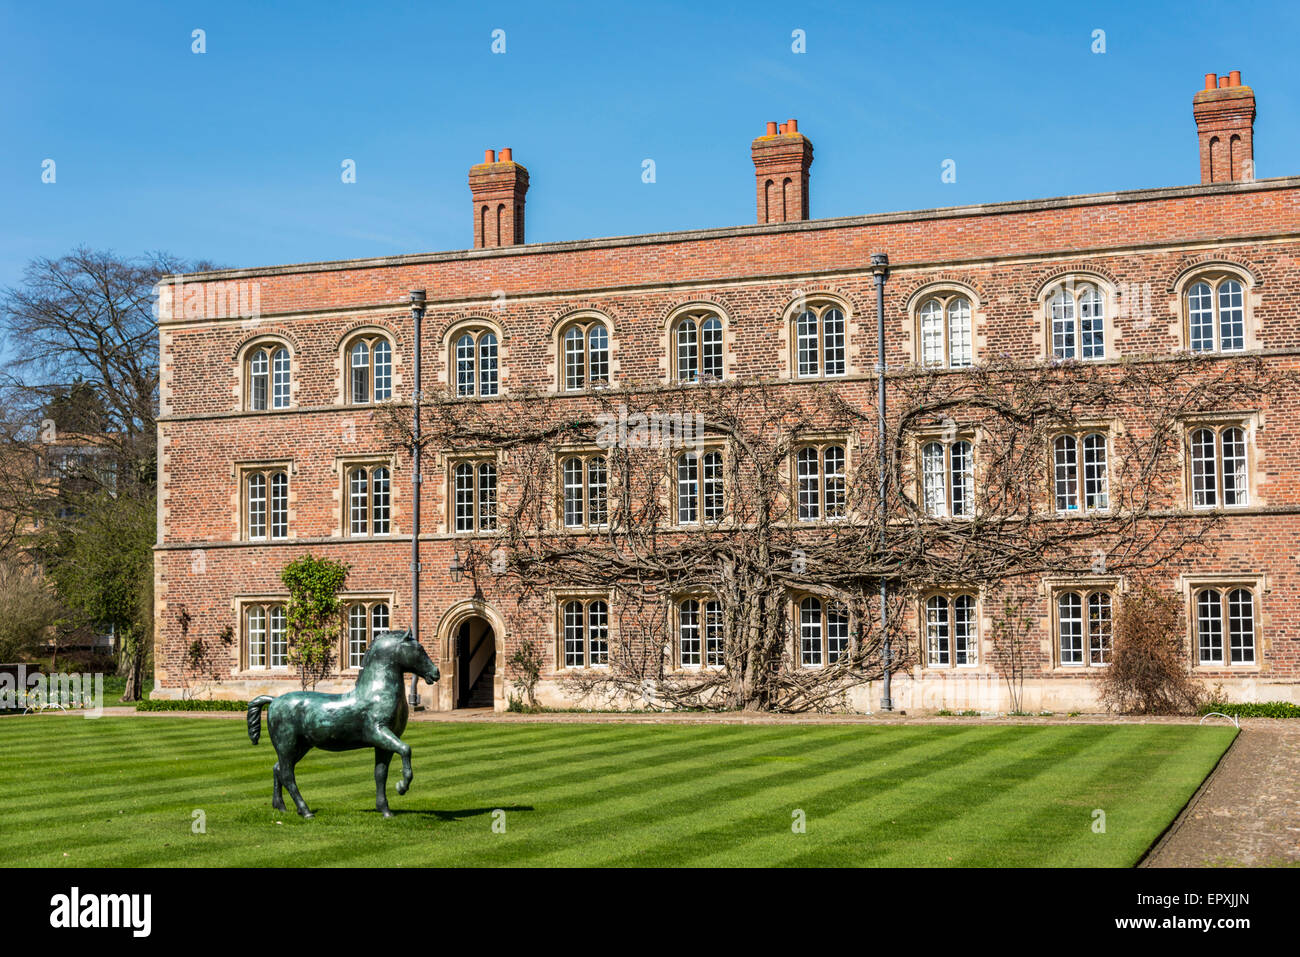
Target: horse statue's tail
255	716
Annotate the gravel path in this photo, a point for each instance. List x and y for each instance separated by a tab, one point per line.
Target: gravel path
1247	813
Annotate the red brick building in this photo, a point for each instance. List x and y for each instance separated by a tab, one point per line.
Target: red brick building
272	444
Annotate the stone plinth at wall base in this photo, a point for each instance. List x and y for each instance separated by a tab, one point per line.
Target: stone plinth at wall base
979	692
246	690
989	694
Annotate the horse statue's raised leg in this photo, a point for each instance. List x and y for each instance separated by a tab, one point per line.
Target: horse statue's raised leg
384	738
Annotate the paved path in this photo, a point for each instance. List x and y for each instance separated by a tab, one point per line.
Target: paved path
1247	813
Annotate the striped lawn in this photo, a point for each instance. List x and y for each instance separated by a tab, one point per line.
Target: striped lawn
123	791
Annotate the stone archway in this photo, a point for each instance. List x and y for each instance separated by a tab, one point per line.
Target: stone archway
471	652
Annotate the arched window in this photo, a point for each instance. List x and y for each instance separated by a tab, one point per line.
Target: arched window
585	629
1093	492
945	327
365	621
266	504
821	482
268	378
1219	471
697	348
820	339
951	633
266	644
1216	314
1077	314
1236	606
474	494
1083	628
369	500
583	480
823	632
948	479
699	487
369	366
699	633
584	345
475	363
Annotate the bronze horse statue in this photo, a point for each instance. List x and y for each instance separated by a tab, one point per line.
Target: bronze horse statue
371	715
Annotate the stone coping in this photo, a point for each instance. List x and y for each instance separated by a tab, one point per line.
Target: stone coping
874	219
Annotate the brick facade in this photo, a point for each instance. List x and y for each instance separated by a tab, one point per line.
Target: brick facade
1143	250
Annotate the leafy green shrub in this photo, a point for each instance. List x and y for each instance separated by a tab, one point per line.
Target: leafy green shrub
313	615
1252	709
193	704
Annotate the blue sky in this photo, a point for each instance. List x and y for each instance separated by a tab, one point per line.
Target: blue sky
235	155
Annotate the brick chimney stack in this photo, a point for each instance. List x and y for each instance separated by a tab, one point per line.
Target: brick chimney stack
1225	124
782	157
497	187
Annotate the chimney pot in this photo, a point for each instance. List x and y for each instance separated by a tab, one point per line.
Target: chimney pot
1225	129
781	164
497	191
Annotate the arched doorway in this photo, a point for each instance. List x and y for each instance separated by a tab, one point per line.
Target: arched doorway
474	647
471	656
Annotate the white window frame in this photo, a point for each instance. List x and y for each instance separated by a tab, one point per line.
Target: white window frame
378	371
1096	631
701	642
476	373
1077	489
590	365
584	640
823	631
270	653
697	344
1220	599
940	478
1204	295
940	620
268	377
1078	324
472	507
952	344
821	494
592	464
819	340
373	611
1203	484
373	507
264	517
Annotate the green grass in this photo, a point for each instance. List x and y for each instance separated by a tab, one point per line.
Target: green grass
121	792
115	685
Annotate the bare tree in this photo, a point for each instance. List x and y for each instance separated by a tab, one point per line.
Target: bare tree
80	391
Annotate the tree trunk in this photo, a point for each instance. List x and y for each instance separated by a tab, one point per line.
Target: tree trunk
133	661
